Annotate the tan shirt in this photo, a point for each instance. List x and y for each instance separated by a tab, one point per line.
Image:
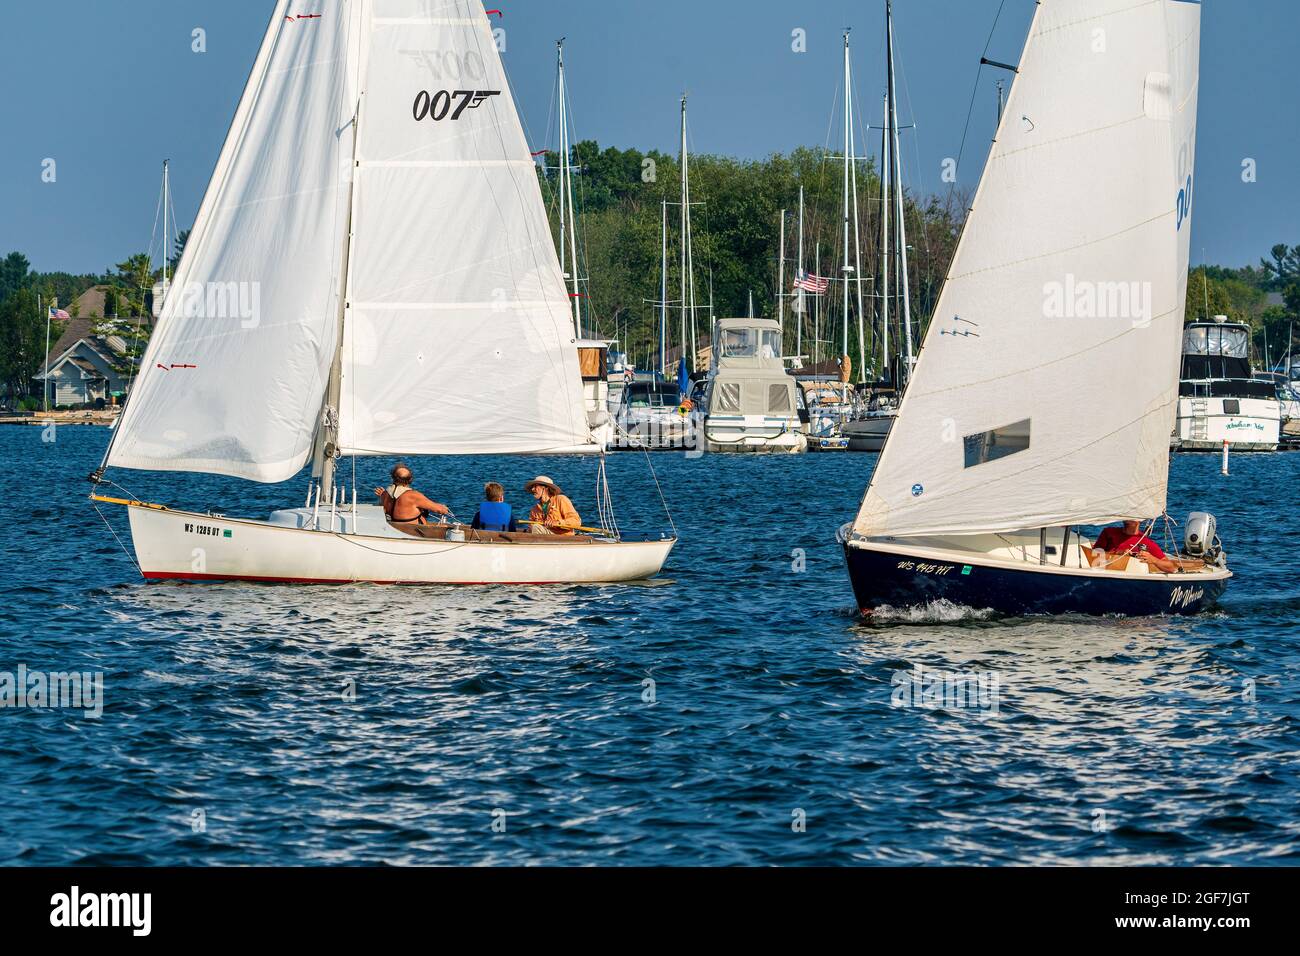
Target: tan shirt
559	514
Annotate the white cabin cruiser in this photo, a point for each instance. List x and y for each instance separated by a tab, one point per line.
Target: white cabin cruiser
1219	399
751	403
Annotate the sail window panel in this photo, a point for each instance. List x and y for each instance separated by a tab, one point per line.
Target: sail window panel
996	443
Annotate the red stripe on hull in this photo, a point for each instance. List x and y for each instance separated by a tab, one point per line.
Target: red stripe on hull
180	576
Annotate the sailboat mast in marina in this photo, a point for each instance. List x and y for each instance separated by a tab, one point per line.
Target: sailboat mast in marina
1005	452
371	273
568	216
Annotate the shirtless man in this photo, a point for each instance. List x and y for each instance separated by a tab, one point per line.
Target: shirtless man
402	503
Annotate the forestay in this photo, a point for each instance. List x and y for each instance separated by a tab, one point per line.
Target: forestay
1047	389
235	372
458	336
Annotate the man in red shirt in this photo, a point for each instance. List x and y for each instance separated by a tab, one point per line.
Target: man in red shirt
1130	540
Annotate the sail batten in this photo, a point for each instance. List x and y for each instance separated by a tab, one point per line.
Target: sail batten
1048	382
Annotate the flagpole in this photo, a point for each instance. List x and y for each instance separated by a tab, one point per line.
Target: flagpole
45	382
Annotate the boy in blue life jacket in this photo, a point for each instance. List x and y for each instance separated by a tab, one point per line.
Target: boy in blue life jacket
494	514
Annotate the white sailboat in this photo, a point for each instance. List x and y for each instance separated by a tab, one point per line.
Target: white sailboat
1006	445
370	273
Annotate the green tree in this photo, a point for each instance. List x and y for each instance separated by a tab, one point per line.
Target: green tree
182	237
133	279
22	341
1283	269
14	273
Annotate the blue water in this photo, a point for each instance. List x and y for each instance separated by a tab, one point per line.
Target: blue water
228	735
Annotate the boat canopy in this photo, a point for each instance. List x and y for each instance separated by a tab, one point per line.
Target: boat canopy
375	201
1231	341
1048	384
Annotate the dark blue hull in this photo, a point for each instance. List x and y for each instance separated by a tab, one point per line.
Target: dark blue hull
881	579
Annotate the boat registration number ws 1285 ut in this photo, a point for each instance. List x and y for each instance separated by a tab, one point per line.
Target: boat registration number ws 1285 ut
207	530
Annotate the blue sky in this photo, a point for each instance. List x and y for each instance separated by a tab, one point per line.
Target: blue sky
110	89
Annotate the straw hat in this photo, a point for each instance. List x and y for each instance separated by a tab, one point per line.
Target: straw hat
543	480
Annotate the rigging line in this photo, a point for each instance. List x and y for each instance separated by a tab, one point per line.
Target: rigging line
111	531
633	442
351	539
970	110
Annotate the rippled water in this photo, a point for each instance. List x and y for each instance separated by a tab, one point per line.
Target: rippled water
230	735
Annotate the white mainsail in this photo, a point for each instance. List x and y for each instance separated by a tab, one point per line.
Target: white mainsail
459	335
234	374
1048	385
455	337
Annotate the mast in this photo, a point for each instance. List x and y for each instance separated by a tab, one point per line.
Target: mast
817	305
857	238
847	270
326	452
663	298
798	340
904	285
885	169
568	240
686	230
166	199
780	282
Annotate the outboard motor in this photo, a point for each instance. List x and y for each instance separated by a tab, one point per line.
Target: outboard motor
1200	539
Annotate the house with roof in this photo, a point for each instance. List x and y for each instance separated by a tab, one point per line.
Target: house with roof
86	366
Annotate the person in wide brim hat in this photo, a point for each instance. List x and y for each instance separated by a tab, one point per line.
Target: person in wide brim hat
554	513
545	482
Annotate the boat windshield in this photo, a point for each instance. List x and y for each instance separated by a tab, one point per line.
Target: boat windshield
652	396
748	343
1227	340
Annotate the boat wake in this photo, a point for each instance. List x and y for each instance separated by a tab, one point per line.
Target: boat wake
935	612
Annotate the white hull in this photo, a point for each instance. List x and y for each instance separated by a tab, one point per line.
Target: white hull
183	545
754	434
1204	424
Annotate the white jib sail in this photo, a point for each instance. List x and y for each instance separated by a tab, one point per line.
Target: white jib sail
235	372
458	334
1046	392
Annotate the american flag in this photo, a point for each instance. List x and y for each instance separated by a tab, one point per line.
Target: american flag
58	313
811	283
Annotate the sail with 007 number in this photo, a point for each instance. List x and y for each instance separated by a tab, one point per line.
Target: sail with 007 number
375	200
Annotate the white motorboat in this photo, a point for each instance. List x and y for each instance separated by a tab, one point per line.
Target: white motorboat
1220	400
750	405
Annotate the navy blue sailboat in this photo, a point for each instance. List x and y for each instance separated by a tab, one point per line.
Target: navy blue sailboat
1047	387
